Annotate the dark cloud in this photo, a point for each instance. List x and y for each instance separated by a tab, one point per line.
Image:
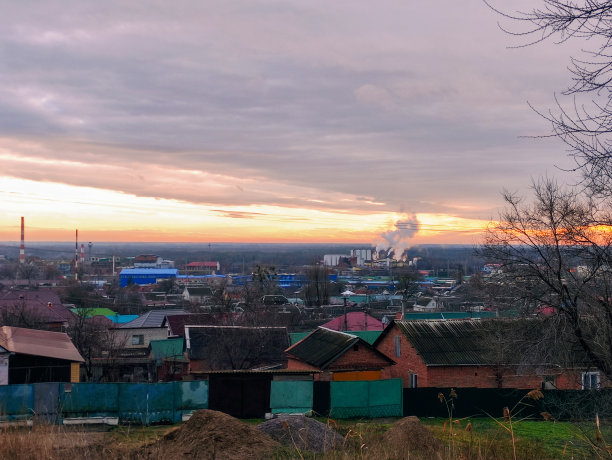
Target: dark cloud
414	103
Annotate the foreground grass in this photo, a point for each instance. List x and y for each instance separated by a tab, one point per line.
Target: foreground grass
534	439
468	439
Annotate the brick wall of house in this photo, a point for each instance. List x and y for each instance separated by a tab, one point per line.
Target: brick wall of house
409	362
360	358
296	364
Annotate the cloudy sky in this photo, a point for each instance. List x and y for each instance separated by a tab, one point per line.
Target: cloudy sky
267	120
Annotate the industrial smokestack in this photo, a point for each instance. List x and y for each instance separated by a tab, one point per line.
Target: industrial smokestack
76	256
22	247
82	253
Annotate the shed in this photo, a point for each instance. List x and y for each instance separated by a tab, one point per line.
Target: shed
32	356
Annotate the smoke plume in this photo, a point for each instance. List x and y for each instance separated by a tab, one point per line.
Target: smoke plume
398	238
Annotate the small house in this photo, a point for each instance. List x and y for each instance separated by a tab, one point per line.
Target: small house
33	356
338	355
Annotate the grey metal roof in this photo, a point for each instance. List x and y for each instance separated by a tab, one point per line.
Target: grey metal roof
236	347
449	343
322	346
199	290
153	318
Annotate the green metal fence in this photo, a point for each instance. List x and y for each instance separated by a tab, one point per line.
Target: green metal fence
292	396
142	403
371	399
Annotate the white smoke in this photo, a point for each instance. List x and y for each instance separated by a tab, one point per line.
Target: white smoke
399	236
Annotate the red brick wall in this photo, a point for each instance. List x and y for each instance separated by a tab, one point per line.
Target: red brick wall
296	364
409	362
362	358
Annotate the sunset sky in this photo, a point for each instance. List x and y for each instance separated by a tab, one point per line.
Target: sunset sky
270	121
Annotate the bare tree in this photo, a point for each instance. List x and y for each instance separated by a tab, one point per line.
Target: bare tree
94	339
28	271
582	117
556	251
316	289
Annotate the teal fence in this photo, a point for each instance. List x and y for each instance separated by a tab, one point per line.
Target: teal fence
143	403
372	399
291	396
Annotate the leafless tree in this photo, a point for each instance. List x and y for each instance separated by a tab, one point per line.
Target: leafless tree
94	339
582	117
28	271
316	288
556	252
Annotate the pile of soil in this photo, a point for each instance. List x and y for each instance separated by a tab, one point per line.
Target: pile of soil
210	434
408	437
302	432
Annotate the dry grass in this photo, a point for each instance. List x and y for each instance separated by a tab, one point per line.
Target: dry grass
476	439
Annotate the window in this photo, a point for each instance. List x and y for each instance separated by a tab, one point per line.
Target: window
590	381
549	382
138	339
413	380
398	346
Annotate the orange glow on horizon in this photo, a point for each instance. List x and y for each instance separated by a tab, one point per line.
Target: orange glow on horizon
53	211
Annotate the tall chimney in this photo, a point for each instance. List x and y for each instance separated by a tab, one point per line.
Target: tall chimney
82	253
22	247
76	256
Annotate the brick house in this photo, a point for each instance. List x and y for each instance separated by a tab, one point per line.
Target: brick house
338	355
465	353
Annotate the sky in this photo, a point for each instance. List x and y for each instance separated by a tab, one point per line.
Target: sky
268	121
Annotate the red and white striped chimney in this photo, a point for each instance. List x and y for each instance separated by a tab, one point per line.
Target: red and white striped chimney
22	248
82	253
76	255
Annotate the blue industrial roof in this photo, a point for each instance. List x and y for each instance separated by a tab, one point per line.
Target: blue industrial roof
149	271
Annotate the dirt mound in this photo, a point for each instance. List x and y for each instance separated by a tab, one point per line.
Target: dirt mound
407	437
302	432
210	434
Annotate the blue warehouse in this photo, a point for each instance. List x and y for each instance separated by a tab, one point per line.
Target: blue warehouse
142	276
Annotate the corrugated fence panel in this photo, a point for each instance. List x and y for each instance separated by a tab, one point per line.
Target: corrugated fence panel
46	401
133	403
376	398
386	398
291	396
190	396
349	399
16	401
90	400
161	402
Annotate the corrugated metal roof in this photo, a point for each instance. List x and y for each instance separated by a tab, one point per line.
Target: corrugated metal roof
167	349
89	312
322	346
368	336
355	321
149	271
153	318
448	343
237	347
199	290
39	343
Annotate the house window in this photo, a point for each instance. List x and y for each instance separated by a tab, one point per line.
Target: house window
398	346
138	339
590	381
413	380
549	382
